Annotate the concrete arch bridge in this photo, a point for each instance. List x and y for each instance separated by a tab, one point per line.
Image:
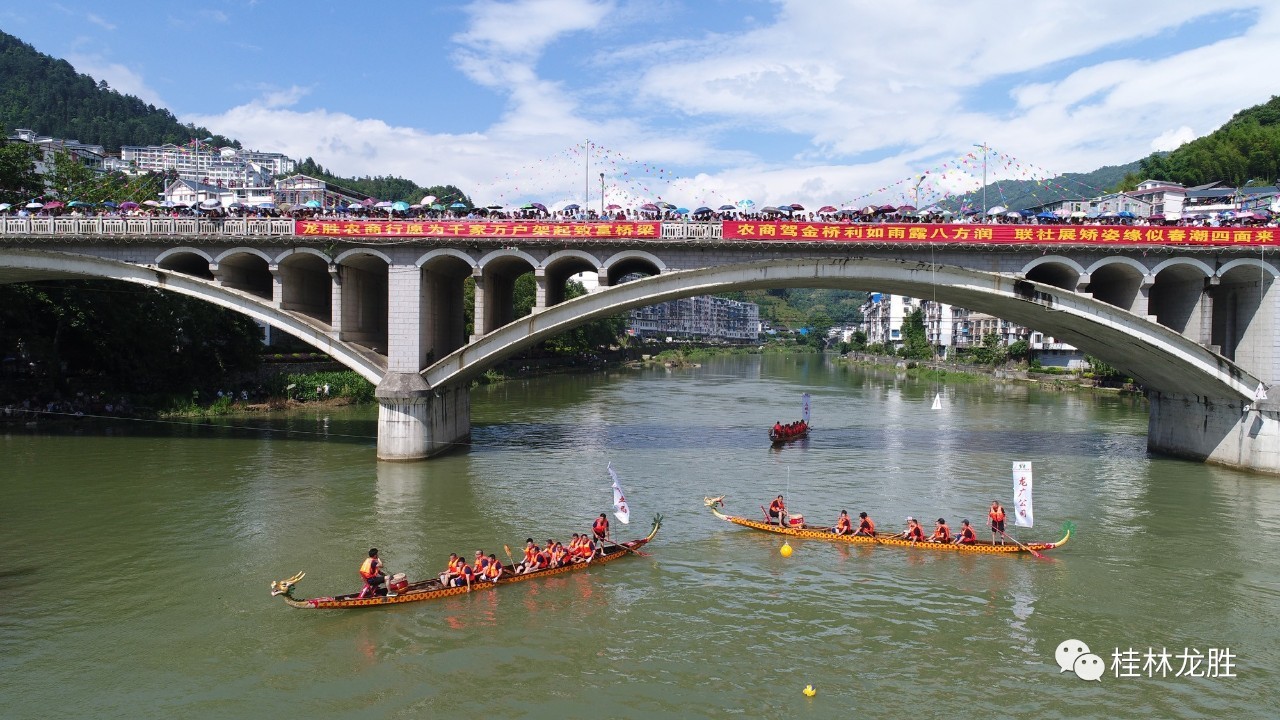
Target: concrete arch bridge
1198	326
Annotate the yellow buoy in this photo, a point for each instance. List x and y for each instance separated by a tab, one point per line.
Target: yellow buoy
786	550
809	691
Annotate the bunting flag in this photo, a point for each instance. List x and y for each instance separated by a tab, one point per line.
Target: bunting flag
621	511
1022	515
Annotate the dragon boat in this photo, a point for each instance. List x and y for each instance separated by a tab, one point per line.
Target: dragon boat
813	532
433	590
785	436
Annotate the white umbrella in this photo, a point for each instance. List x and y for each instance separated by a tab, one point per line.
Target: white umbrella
428	199
997	210
34	205
4	206
211	203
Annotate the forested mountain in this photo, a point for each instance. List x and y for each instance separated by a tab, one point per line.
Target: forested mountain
1020	194
47	95
1246	148
386	187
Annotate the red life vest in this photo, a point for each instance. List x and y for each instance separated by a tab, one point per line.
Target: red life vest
600	527
844	523
997	515
966	535
777	506
867	526
915	533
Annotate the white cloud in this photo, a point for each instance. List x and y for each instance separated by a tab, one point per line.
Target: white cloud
119	77
100	22
1173	139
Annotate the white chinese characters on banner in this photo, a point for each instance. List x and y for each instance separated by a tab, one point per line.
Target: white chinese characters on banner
1022	513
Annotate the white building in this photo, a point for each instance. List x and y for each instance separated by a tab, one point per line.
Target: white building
704	318
199	162
92	156
883	315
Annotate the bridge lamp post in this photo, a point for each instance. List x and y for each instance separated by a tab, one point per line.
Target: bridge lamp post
601	195
984	179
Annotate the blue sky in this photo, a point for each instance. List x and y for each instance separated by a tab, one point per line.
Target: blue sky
839	102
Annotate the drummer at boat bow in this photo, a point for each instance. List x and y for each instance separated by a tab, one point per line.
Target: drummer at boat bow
778	511
374	578
844	526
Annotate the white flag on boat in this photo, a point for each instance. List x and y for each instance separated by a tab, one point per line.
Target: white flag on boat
804	408
621	511
1022	514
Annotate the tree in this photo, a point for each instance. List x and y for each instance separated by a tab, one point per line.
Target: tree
19	182
1019	350
915	339
991	352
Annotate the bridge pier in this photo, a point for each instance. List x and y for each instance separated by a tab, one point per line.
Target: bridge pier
415	421
1221	432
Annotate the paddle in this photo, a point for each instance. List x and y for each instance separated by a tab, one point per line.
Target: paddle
624	547
1024	547
507	550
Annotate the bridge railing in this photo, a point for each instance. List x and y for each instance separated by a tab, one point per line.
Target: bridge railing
691	231
25	226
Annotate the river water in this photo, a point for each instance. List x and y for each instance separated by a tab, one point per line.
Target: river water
135	560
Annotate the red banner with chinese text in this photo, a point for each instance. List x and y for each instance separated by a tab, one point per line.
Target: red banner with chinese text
998	234
467	228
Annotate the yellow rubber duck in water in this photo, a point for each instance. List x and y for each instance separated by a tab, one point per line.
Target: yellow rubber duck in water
809	691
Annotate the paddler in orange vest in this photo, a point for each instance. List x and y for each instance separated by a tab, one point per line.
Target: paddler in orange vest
493	570
371	571
866	526
997	522
914	532
941	533
600	528
967	536
452	570
778	511
844	526
530	558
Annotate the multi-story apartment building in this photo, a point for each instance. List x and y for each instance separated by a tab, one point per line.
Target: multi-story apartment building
198	162
704	318
92	156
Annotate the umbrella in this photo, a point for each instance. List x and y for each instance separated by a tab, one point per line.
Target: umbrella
613	206
997	210
1047	216
699	211
796	206
886	208
4	206
1079	214
746	204
79	203
458	206
493	207
314	204
848	212
1157	216
33	205
771	209
649	207
868	210
538	206
108	204
666	205
151	203
400	205
1013	214
214	202
1126	214
826	209
383	204
726	208
428	199
52	204
355	206
571	207
682	211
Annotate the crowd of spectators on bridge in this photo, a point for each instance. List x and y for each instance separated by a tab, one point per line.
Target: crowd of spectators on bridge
651	212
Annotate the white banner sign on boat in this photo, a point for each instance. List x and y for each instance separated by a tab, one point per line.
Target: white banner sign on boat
1022	513
621	511
804	408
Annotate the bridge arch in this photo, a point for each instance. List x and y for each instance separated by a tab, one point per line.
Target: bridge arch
1056	270
186	260
1154	355
363	277
1118	281
434	256
247	269
559	266
1259	265
443	274
28	265
629	262
306	286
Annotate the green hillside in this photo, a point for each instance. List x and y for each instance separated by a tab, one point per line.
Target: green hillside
1246	148
1020	194
47	95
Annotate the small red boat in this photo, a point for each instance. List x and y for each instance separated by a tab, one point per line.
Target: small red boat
787	433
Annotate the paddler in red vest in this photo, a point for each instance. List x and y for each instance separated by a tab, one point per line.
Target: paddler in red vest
997	522
914	532
866	526
844	526
778	511
941	533
600	528
777	428
371	571
967	536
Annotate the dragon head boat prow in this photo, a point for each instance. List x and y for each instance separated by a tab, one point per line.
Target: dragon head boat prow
711	502
285	587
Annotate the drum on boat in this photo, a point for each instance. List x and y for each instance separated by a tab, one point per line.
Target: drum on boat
398	583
